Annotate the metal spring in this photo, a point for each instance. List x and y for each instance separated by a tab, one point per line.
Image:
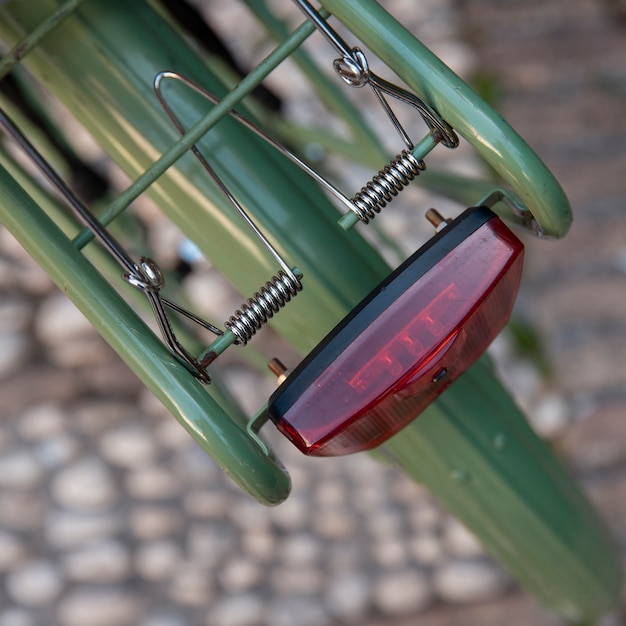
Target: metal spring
262	306
387	184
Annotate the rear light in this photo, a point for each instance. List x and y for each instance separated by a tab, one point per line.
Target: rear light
405	342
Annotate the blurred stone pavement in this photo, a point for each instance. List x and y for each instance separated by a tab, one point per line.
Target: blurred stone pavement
111	516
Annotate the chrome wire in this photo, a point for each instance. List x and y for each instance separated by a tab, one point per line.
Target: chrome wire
145	275
353	68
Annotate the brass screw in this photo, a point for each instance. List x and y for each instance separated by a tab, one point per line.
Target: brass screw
277	367
436	219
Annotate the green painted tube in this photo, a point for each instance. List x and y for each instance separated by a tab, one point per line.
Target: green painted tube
462	108
189	401
451	446
475	451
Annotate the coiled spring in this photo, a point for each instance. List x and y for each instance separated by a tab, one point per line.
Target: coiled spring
263	305
387	184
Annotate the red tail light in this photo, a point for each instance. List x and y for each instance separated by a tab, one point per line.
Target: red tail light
406	342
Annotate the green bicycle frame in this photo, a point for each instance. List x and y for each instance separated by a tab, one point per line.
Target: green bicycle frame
473	448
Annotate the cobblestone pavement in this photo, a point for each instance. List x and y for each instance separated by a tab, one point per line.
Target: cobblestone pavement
111	516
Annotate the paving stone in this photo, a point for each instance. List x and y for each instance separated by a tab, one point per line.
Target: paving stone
292	580
211	544
34	583
426	548
260	544
192	585
205	504
14	349
19	470
469	581
391	551
149	523
42	421
237	610
240	574
16	617
551	415
65	529
57	451
347	596
157	560
13	551
459	541
86	484
128	446
299	549
99	606
106	562
152	483
22	511
402	592
288	610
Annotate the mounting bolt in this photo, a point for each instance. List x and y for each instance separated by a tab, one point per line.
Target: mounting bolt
277	367
436	219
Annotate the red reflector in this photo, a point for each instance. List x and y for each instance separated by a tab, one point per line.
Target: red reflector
406	342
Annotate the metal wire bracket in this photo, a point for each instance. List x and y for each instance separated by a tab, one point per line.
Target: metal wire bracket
145	275
353	68
276	292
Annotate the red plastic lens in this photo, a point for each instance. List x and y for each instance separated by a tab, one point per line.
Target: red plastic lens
412	349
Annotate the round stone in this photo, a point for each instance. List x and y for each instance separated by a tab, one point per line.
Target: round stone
239	574
19	470
425	517
70	338
260	544
86	484
287	610
334	524
21	511
462	581
384	523
12	551
426	548
299	550
550	415
149	523
59	321
348	596
390	552
34	584
152	483
247	514
193	466
164	619
106	562
211	544
157	560
42	422
16	617
95	606
192	585
14	347
297	580
65	530
57	451
292	515
330	494
459	541
402	592
237	610
208	504
129	446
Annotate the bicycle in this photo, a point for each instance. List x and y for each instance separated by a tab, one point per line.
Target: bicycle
472	447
